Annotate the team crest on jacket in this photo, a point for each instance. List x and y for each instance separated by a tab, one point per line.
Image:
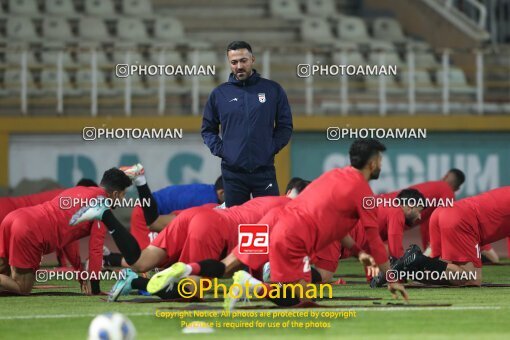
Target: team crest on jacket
262	97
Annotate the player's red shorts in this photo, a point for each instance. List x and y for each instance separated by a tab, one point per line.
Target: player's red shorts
210	236
173	237
458	239
290	247
327	258
20	241
253	261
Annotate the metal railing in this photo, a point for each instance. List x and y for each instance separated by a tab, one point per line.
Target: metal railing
347	100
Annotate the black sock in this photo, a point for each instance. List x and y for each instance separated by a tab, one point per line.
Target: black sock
140	283
433	265
171	294
285	299
150	211
123	239
211	268
316	276
113	260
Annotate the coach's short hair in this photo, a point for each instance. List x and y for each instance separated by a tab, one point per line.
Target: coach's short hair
362	150
86	182
115	180
218	185
238	45
459	176
414	194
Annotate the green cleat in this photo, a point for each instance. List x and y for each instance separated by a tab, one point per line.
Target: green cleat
167	278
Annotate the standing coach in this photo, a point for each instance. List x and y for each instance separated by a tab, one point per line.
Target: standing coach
256	123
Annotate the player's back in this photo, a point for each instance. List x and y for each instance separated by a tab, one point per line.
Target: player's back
8	204
493	212
332	202
430	190
253	210
61	208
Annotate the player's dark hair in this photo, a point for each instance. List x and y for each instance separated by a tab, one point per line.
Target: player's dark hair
414	194
238	45
459	176
301	185
86	182
218	185
362	150
115	180
293	181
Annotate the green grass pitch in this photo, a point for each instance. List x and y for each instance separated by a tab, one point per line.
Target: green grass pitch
476	313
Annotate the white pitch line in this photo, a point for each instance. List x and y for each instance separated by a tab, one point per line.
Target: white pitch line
374	309
62	316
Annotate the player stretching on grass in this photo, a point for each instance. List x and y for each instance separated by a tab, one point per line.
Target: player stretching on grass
29	233
196	234
443	190
324	213
457	234
211	267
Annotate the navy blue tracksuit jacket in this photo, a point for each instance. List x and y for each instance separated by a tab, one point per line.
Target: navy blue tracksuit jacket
255	119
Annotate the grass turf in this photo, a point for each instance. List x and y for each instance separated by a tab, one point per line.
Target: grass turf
475	313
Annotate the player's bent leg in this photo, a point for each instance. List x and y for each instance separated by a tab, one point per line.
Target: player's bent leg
466	272
123	285
149	259
5	269
232	264
21	282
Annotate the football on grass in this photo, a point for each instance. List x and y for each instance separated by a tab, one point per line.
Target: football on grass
111	326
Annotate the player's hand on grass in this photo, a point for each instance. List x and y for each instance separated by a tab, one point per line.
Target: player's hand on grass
85	287
396	288
366	259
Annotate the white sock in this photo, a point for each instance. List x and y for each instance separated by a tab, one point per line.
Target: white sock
140	180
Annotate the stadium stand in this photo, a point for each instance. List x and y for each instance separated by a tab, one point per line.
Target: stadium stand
284	33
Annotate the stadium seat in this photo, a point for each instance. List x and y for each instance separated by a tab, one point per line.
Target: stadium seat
206	83
422	81
168	29
138	87
99	8
388	29
21	29
171	57
321	8
93	29
13	54
354	57
84	56
57	29
64	8
50	52
83	80
24	7
131	29
287	9
49	83
316	30
120	54
352	29
12	81
137	8
456	79
425	60
391	57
